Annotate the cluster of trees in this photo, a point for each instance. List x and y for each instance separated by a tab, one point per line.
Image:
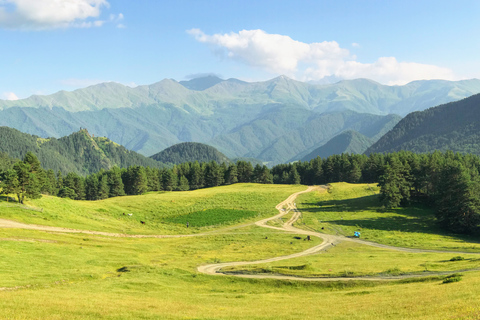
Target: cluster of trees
447	181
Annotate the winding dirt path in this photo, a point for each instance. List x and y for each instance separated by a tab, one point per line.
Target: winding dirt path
328	241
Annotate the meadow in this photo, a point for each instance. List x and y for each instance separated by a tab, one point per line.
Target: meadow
51	275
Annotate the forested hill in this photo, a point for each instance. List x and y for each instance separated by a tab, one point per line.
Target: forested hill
346	142
190	152
453	126
79	152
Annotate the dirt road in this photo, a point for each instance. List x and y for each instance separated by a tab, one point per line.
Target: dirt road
328	241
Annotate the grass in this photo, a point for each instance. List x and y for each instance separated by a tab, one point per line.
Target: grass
77	276
347	208
153	208
212	217
354	260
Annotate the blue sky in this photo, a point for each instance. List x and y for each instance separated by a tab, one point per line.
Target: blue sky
47	46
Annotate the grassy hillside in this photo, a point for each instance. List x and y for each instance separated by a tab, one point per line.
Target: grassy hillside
190	152
453	126
153	208
79	152
80	276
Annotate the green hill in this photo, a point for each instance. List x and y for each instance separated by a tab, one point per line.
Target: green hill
346	142
79	152
453	126
190	152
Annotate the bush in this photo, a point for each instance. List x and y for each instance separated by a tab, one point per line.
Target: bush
452	278
457	258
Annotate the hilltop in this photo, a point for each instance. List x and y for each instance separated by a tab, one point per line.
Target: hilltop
190	152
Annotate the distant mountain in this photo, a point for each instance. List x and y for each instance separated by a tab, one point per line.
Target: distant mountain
190	152
79	152
271	120
200	84
346	142
453	126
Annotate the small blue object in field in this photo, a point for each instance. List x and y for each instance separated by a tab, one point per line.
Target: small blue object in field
356	234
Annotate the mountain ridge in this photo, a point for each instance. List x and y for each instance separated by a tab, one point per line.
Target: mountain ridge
452	126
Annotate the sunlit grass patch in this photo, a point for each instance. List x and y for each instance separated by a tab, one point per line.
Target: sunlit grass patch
211	217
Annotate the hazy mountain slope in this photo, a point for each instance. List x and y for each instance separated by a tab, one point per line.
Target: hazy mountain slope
79	152
206	95
453	126
274	119
346	142
190	152
286	131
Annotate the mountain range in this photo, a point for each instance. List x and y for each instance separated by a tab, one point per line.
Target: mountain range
275	121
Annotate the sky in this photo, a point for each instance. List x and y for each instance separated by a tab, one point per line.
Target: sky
52	45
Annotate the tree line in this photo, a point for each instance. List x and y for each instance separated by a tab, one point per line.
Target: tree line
448	181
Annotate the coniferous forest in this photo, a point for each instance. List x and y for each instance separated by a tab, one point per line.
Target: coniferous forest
448	182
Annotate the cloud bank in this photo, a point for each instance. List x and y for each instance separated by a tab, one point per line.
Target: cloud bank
51	14
9	96
280	54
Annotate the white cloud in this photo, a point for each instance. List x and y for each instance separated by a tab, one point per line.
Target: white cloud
9	96
355	45
49	14
280	54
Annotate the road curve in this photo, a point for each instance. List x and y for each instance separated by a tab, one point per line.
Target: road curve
285	207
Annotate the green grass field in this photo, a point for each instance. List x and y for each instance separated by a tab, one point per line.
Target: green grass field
49	275
347	208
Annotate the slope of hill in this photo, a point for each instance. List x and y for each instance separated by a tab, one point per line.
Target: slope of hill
267	120
346	142
79	152
190	152
453	126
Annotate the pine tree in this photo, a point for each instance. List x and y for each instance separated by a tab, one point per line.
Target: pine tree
115	183
293	176
91	187
9	182
183	184
103	189
231	175
458	202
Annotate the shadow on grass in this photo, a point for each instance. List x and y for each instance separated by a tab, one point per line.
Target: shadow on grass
3	198
415	219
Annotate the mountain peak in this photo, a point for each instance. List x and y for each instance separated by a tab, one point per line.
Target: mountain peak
201	83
